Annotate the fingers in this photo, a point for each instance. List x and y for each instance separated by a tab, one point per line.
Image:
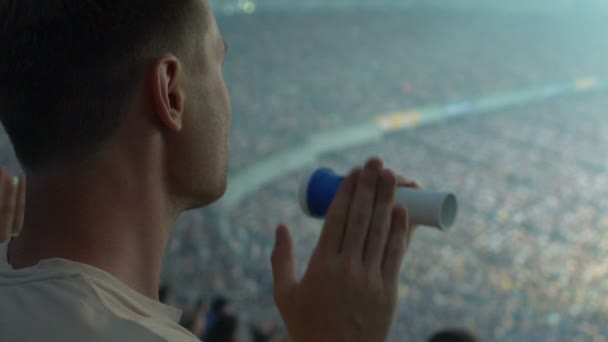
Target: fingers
332	235
361	210
408	183
381	221
8	193
397	245
19	204
283	263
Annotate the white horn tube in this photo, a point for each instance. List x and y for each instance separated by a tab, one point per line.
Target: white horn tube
425	208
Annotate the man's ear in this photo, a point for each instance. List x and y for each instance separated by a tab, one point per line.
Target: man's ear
168	92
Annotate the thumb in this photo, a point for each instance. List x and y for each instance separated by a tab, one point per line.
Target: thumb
283	262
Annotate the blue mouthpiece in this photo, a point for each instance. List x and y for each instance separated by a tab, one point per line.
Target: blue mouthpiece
318	191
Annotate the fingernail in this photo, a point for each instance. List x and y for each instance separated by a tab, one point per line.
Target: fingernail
374	163
15	181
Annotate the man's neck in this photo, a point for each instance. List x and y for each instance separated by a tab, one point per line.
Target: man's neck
119	222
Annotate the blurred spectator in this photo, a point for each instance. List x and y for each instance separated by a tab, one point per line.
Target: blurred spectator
219	306
264	333
453	335
226	328
166	295
195	321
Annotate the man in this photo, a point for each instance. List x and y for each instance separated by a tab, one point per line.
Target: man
118	112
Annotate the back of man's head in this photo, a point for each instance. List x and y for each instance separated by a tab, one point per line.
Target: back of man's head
453	335
219	304
224	329
69	67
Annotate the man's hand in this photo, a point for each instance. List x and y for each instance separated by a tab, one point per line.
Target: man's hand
12	204
349	292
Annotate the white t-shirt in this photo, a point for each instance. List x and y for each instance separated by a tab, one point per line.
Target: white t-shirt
63	301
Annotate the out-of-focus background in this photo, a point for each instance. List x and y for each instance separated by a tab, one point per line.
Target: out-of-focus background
503	103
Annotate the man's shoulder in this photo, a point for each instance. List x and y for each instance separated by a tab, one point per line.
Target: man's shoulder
75	307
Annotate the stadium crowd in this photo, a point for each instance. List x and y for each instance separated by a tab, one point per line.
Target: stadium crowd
320	71
527	258
511	268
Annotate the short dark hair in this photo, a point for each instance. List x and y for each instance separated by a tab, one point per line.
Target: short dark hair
218	304
224	329
453	335
68	68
